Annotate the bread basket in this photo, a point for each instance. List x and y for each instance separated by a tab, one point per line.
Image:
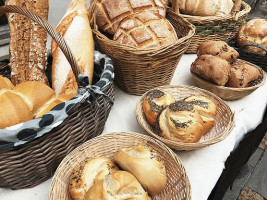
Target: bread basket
214	27
140	70
228	93
178	186
223	120
29	164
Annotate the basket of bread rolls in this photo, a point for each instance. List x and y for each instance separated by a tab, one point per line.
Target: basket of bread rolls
184	117
219	70
251	42
121	165
41	123
213	19
144	41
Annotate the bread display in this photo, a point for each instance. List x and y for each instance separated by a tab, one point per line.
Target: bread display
180	122
5	83
76	30
146	166
218	48
88	173
242	74
145	30
154	101
254	31
118	185
109	13
27	49
212	68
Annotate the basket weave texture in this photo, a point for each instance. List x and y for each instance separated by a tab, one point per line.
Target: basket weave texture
32	163
137	71
223	120
217	28
178	186
228	93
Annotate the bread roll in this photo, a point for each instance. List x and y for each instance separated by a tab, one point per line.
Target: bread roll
218	48
145	30
14	109
109	13
254	31
180	122
88	173
212	68
146	166
206	108
119	185
27	49
76	30
242	74
5	83
154	101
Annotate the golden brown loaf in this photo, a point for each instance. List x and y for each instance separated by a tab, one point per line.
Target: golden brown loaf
206	108
242	74
145	30
146	166
212	68
77	32
88	173
154	101
110	12
180	122
120	185
27	43
5	83
254	31
218	48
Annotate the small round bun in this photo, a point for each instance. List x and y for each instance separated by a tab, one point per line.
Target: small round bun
5	83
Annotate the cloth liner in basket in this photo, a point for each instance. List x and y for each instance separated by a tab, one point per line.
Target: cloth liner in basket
140	70
30	152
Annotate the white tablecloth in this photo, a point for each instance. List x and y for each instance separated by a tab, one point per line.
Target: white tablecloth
203	166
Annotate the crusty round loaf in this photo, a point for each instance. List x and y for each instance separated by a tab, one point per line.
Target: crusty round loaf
120	185
180	122
14	109
218	48
145	30
87	173
254	31
154	101
212	68
5	83
146	166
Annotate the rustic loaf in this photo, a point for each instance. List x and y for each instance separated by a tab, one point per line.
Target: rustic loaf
5	83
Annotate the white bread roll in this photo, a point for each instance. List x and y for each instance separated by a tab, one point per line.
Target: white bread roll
87	173
5	83
146	166
119	185
76	30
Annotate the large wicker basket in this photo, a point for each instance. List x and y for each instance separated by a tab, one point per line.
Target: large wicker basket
140	70
178	185
32	163
217	28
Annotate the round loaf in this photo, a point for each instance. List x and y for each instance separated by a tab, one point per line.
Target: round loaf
14	109
117	186
146	166
145	30
5	83
254	31
154	101
87	173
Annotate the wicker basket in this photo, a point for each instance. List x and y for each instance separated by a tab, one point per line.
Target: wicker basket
32	163
228	93
215	27
178	186
140	70
253	57
221	129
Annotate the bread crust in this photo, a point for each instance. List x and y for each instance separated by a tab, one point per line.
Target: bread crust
5	83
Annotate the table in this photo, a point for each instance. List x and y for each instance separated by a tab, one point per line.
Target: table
203	166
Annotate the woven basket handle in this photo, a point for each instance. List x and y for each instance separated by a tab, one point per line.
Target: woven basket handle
51	31
254	45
